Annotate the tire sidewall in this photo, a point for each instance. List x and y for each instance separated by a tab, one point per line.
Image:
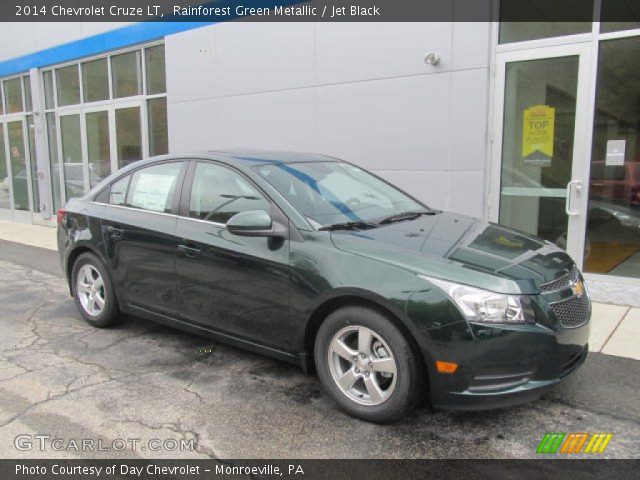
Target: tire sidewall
109	313
406	391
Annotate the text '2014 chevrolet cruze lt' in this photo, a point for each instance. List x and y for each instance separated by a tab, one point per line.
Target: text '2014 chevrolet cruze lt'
317	262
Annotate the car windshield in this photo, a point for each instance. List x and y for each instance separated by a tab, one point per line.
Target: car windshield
331	193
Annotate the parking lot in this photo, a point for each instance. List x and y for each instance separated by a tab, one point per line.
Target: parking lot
141	381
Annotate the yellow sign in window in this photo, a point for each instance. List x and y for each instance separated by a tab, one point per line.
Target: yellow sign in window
537	135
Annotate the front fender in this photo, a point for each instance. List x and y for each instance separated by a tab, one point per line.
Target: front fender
321	273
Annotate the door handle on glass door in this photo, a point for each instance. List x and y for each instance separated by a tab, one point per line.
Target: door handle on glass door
567	205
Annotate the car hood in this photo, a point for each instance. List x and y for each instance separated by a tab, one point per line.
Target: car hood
462	249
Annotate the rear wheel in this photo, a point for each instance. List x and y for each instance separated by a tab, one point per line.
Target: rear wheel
367	365
93	292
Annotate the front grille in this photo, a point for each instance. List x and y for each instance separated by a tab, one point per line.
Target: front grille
562	282
573	312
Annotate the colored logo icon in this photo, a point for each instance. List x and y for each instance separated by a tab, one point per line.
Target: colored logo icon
578	288
574	443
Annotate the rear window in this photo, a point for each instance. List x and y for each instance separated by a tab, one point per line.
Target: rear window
152	188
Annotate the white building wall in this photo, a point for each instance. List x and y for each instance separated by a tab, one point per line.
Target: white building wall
29	37
358	91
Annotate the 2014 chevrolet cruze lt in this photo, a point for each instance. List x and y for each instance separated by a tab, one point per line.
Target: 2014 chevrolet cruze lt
317	262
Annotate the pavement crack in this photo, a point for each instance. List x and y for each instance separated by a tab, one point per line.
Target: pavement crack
50	398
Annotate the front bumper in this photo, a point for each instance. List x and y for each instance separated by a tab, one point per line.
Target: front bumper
502	366
524	392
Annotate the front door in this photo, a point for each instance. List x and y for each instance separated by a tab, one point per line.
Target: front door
539	151
227	283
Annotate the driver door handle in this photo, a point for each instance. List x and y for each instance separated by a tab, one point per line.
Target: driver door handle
190	252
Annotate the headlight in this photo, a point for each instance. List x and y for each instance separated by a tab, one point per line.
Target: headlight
484	306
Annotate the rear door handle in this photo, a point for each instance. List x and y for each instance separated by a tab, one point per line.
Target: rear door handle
115	233
190	252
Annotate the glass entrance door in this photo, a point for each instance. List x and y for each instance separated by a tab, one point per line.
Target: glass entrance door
613	227
538	175
20	173
18	195
5	180
75	179
97	126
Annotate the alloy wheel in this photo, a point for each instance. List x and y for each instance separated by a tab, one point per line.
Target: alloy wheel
362	365
90	288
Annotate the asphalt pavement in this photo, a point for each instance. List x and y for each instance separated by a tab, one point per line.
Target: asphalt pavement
196	398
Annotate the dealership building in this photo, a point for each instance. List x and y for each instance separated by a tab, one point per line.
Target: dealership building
532	125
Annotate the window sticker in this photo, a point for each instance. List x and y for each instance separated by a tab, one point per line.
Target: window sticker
152	191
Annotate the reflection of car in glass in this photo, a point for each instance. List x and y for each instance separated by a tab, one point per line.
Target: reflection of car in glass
319	263
608	217
20	190
618	184
74	178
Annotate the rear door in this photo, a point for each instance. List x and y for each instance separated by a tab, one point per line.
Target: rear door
139	231
231	284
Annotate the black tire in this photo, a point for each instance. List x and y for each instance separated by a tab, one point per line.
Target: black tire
409	380
110	314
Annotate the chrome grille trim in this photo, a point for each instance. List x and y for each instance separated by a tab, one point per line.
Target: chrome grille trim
561	282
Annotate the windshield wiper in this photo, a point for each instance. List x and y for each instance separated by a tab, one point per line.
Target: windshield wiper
399	217
355	225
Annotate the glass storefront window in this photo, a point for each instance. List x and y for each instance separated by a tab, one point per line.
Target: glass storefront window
82	142
126	74
514	29
614	10
5	200
18	159
13	95
28	102
98	148
95	80
155	70
49	100
68	85
72	155
522	31
128	135
54	161
158	132
613	225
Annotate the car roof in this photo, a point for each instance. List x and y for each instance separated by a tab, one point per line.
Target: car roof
264	157
239	158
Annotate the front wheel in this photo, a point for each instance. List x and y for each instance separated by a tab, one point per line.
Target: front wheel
367	365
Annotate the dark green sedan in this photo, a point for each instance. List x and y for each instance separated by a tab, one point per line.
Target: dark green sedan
317	262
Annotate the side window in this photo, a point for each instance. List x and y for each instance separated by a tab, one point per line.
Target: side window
218	193
118	190
153	188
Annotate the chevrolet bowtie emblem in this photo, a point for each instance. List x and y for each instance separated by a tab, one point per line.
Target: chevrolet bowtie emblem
578	288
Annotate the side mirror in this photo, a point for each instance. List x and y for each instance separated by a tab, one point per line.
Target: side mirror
255	223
